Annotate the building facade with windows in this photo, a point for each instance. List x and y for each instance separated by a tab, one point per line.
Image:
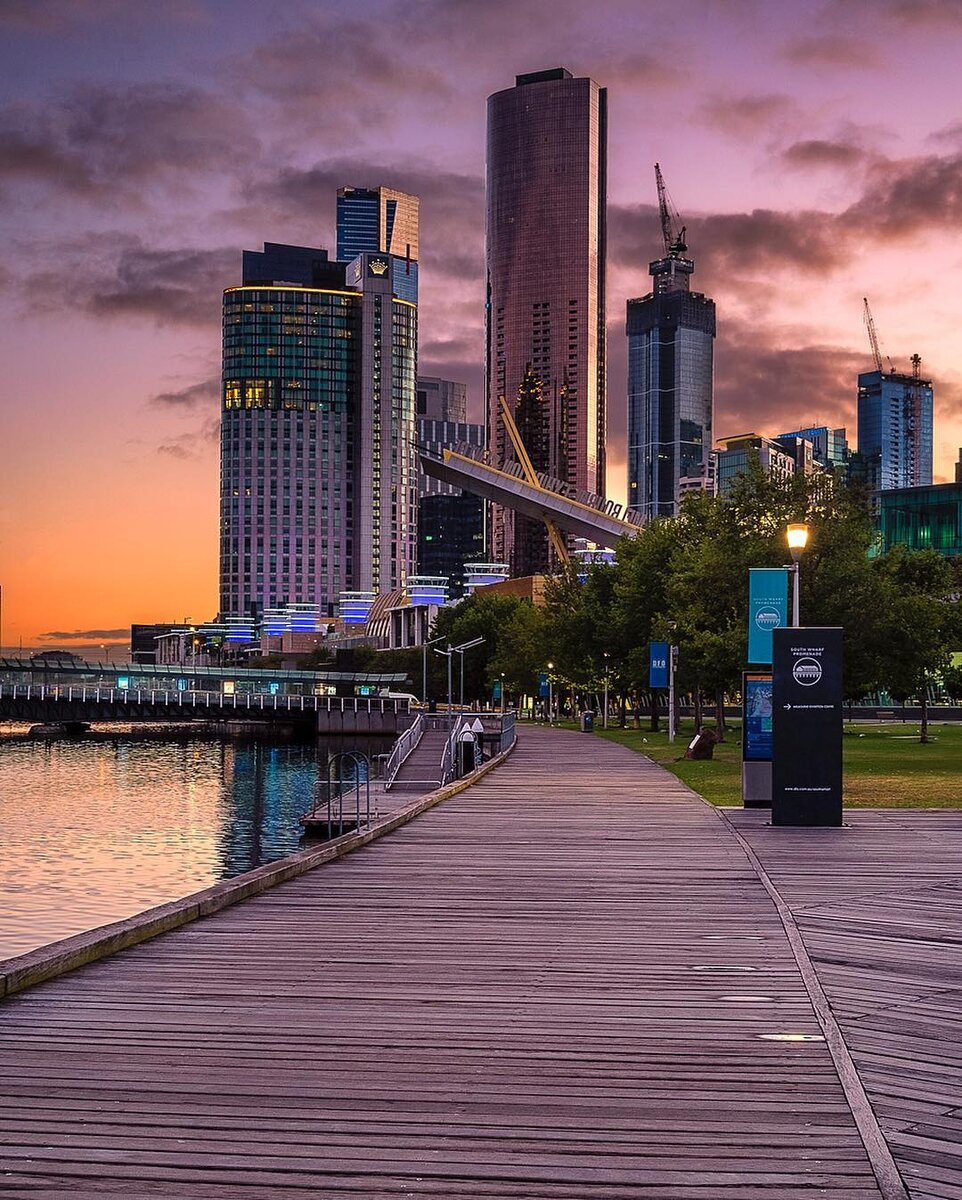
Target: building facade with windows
381	220
922	518
829	446
671	335
738	453
545	311
318	466
895	429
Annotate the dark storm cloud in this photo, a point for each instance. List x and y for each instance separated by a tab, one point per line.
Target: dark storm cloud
112	141
817	152
118	276
169	286
745	117
908	196
832	51
726	244
771	381
62	635
195	395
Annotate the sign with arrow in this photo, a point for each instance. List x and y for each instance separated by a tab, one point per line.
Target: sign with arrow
807	726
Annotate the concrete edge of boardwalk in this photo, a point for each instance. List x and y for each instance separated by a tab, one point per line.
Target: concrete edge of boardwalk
887	1174
58	958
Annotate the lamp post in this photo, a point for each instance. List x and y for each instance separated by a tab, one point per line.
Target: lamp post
424	668
604	720
460	650
797	541
502	693
550	694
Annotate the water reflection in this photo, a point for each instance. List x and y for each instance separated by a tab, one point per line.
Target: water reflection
93	831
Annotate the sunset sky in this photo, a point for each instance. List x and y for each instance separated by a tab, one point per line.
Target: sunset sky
813	148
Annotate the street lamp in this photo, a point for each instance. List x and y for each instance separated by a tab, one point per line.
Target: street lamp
460	650
797	541
604	720
550	694
424	668
502	693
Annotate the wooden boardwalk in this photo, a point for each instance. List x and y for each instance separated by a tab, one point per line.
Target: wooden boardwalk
565	982
879	907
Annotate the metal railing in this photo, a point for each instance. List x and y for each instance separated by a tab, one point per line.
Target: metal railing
347	776
508	731
236	701
402	748
449	756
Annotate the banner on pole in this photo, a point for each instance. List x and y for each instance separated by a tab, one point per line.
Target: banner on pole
657	664
543	686
767	609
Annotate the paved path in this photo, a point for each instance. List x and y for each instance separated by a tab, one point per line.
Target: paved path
879	907
565	982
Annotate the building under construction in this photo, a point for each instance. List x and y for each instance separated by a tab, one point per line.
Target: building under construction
670	351
894	421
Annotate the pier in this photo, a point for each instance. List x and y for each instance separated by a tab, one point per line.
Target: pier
572	980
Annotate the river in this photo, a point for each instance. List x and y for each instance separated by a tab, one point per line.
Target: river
96	829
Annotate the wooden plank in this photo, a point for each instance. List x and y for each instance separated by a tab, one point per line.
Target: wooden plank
563	982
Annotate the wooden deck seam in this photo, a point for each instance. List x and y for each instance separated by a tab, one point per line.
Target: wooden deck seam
887	1173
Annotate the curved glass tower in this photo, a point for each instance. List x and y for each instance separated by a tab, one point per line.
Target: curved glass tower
545	318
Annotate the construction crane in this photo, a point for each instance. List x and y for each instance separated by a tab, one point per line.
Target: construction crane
675	245
873	338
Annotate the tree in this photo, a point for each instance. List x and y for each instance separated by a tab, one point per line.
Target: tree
918	624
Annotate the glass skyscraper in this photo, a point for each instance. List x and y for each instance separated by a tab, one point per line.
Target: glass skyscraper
545	313
318	467
381	220
895	429
670	389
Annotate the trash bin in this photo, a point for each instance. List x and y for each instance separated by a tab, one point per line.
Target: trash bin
467	753
587	721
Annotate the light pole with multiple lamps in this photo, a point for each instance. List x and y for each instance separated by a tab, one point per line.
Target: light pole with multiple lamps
604	719
447	654
550	694
797	541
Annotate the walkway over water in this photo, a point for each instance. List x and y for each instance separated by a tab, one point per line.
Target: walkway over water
568	981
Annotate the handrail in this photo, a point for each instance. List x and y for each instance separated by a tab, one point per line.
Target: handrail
187	699
449	758
403	747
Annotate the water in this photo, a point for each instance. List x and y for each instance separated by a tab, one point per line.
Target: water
93	831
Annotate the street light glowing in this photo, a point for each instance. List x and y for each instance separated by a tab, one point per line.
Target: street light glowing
797	539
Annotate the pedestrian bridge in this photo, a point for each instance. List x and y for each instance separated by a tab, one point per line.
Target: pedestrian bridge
68	703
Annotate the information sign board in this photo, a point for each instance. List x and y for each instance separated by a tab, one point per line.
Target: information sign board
807	727
757	722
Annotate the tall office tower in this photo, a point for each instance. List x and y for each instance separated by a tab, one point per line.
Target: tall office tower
318	469
451	522
895	429
381	221
545	314
670	356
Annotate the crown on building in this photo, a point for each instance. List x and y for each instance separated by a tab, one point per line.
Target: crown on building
378	266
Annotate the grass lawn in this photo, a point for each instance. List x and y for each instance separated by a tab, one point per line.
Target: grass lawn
885	765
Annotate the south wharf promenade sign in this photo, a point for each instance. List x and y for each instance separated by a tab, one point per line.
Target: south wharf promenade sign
807	726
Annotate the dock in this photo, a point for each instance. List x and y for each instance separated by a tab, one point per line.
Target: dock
572	980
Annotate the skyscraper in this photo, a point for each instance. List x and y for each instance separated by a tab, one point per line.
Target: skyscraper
318	470
451	523
381	220
895	429
670	361
545	314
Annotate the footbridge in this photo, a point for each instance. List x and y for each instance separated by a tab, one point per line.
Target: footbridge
579	513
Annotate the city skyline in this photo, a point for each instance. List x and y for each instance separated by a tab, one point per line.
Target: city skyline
140	152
